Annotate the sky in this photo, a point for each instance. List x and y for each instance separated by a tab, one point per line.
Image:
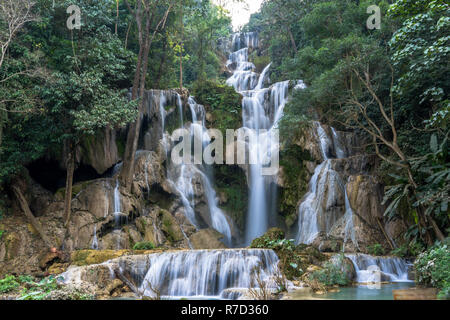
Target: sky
240	12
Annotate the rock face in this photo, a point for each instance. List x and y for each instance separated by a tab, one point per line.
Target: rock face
207	239
101	152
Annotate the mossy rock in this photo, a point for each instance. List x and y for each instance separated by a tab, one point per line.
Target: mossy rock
76	189
144	246
294	259
88	257
230	181
272	234
222	101
12	245
295	181
170	227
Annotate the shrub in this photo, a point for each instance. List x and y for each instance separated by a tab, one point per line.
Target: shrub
39	290
376	249
331	274
144	246
433	269
8	283
293	258
401	251
224	103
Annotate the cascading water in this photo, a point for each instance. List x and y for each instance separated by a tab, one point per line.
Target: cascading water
325	187
181	177
205	272
392	269
262	108
117	213
94	245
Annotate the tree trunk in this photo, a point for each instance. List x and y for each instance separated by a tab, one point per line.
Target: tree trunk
384	233
126	174
181	47
69	182
436	229
291	37
26	210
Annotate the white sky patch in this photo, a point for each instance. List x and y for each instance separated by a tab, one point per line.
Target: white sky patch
240	12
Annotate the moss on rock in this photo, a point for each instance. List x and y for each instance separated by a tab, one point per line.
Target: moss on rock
294	259
295	181
222	101
230	181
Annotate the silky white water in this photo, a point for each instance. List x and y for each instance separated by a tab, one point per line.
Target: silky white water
392	269
325	187
205	272
262	108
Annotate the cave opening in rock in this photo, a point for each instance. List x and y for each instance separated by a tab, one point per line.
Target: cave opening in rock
49	174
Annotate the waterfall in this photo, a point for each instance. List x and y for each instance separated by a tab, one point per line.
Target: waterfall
94	245
262	108
180	110
205	272
117	214
182	177
392	269
146	173
106	187
324	187
349	231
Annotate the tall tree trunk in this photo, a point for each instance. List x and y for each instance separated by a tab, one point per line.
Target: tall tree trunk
291	37
145	42
34	222
181	47
117	17
126	174
70	164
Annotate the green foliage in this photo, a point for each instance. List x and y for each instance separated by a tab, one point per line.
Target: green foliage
433	268
39	290
331	274
144	246
1	233
295	175
294	259
8	283
421	48
401	251
205	23
376	249
222	101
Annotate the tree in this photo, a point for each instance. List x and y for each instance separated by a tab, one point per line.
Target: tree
14	15
145	13
86	99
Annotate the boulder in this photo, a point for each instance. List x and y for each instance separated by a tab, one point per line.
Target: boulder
207	239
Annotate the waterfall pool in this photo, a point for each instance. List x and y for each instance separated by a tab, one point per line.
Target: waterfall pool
356	292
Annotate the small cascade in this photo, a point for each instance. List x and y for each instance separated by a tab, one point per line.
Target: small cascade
180	110
391	269
107	194
147	162
94	245
324	187
204	273
117	214
349	230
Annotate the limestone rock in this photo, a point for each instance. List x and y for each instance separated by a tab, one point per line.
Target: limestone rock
207	239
